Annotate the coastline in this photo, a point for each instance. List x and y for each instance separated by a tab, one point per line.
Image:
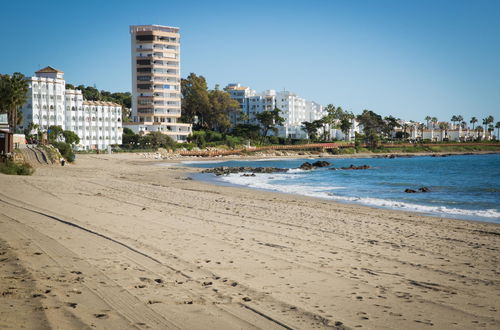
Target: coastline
300	261
373	201
173	157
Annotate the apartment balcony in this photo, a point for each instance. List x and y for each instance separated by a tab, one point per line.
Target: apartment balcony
159	111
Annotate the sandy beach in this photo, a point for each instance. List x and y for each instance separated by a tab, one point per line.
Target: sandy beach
119	242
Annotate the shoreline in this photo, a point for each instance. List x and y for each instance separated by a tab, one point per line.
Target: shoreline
144	236
195	174
292	154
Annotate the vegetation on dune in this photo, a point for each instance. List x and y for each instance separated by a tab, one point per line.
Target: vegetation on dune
12	168
151	141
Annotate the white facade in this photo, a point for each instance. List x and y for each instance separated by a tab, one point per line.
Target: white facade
294	109
97	124
45	105
337	134
156	89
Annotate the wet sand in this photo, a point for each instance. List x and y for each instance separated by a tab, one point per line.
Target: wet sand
115	242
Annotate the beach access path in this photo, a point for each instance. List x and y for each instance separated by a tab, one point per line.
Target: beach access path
119	242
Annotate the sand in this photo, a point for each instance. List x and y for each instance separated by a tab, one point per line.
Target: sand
119	242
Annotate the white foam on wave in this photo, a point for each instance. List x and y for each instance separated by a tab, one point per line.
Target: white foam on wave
489	213
265	181
296	170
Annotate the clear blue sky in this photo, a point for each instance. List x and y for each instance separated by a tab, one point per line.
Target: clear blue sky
401	57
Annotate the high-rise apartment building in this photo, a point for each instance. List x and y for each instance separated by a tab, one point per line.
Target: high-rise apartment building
156	90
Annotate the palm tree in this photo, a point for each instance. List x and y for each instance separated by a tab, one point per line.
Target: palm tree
434	121
421	127
497	126
13	94
444	127
427	119
479	129
473	121
488	120
405	127
491	128
454	119
460	118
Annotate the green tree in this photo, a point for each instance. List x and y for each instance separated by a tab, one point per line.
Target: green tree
195	99
311	128
157	140
428	119
55	133
497	126
336	117
473	121
90	93
487	121
454	119
13	95
373	126
71	137
269	119
434	121
390	124
221	107
491	128
129	138
247	131
444	126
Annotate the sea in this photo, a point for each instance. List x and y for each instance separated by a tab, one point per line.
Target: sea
461	186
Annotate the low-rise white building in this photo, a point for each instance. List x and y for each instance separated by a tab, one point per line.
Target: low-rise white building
97	124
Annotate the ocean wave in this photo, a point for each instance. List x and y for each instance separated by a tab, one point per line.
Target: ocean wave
489	213
265	181
297	170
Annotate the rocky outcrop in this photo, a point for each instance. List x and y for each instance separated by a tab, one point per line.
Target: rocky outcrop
308	166
421	189
352	167
225	170
321	163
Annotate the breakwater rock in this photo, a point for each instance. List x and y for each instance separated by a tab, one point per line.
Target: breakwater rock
421	189
352	167
320	163
225	170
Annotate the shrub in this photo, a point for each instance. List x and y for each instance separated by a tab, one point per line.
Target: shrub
11	168
66	150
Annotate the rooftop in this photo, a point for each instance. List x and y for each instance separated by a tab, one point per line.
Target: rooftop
113	104
49	69
139	28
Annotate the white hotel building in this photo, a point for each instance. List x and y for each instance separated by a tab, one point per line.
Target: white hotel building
294	109
156	82
97	124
